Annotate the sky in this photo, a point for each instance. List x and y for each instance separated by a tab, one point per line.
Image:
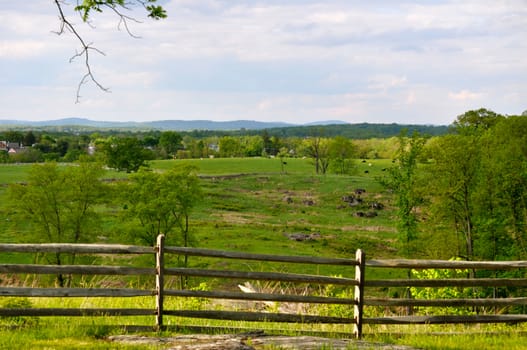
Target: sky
294	61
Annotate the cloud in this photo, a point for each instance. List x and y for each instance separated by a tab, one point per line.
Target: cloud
11	49
464	95
290	60
386	82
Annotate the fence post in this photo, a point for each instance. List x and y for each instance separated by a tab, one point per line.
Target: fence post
359	292
160	266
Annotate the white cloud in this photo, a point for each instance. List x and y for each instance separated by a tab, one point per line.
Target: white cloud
386	82
21	49
411	98
464	95
329	17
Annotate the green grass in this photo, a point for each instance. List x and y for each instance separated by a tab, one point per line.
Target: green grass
92	332
224	166
11	173
250	206
452	337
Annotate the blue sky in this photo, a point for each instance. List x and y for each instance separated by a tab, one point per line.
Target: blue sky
296	61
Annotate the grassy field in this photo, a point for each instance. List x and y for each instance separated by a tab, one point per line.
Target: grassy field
253	205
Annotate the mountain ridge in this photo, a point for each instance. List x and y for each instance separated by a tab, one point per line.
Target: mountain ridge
177	125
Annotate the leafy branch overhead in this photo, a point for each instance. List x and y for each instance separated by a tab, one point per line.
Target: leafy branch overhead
155	12
85	10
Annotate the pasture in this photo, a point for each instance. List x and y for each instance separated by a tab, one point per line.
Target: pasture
253	205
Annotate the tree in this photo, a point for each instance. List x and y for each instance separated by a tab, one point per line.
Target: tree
197	148
253	146
230	147
85	9
4	156
476	121
163	202
341	151
501	196
29	139
126	153
453	178
282	155
317	148
27	155
478	185
276	145
59	205
403	180
147	199
267	144
170	143
462	178
14	136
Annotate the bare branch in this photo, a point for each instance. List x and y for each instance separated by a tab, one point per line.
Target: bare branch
84	52
123	20
84	8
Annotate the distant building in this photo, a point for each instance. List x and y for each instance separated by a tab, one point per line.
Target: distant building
11	147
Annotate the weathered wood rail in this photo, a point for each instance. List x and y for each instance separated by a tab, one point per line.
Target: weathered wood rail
358	267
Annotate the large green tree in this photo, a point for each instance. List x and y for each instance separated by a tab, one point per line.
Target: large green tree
230	146
316	147
453	182
59	204
476	121
403	179
341	151
170	143
162	203
124	153
501	201
478	181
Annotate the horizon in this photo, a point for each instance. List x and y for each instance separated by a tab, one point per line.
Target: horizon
285	124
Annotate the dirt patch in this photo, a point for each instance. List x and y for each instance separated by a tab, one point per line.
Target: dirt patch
243	218
255	341
368	228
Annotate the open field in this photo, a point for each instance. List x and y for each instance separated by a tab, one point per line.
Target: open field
250	205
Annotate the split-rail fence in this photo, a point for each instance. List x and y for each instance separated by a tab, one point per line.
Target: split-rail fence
359	283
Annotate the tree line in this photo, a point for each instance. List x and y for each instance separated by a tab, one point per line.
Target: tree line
465	192
129	151
371	140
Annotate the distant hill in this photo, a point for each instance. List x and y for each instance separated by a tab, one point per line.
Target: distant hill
188	125
177	125
203	128
357	131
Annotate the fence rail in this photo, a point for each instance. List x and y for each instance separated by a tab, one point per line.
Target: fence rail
360	284
447	282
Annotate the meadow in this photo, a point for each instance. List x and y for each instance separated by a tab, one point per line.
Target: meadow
253	205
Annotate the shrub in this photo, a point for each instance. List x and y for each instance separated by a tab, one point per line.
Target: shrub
442	292
18	303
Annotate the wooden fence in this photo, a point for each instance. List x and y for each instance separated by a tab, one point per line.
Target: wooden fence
358	283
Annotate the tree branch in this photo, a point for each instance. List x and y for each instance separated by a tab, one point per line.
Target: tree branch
84	8
84	52
123	20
